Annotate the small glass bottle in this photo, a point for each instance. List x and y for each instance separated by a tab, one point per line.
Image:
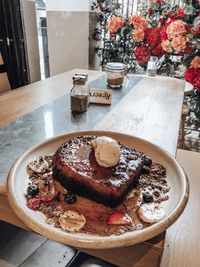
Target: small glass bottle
152	66
79	94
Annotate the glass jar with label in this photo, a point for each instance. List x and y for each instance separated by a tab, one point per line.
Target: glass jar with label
79	94
115	74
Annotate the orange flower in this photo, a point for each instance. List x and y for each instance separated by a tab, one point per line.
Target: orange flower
138	34
138	22
176	28
115	23
179	43
195	63
166	46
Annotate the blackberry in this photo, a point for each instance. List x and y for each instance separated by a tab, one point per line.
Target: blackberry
147	198
145	169
32	190
147	161
70	198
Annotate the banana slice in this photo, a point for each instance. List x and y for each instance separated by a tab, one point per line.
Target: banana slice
39	165
72	221
151	212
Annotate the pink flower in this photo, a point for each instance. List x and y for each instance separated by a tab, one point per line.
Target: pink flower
179	43
166	46
138	22
176	28
115	23
138	34
195	63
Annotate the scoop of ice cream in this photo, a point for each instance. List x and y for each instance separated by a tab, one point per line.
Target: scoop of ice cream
107	151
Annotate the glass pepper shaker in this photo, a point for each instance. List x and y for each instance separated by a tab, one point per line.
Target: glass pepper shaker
79	94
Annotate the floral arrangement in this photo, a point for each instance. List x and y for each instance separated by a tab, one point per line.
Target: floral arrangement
159	30
172	33
192	75
174	36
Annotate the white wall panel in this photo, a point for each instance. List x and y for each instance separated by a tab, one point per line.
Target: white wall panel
67	5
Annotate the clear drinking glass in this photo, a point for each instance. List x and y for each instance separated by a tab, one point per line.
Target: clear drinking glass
152	66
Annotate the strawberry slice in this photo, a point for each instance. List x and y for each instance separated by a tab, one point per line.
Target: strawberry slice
119	218
33	203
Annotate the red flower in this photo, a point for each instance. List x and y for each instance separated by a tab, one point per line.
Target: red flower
153	37
142	54
180	12
163	34
159	1
172	16
101	8
187	50
112	34
195	29
150	11
162	21
187	27
157	51
192	75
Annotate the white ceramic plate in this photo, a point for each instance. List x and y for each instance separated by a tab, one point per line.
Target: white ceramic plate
178	195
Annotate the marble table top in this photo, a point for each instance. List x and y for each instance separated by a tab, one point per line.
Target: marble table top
52	119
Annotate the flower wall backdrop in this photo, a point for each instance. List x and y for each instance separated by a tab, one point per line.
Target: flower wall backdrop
172	33
169	32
